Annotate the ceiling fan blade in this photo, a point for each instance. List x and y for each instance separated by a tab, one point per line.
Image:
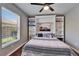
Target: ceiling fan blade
48	3
41	10
51	8
37	4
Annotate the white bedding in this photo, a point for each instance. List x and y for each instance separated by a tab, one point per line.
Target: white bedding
54	38
47	43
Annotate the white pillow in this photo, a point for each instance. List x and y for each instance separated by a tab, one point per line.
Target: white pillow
44	38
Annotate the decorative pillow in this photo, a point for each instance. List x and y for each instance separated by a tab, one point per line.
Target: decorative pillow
40	35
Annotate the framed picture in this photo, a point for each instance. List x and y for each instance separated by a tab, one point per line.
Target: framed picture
44	27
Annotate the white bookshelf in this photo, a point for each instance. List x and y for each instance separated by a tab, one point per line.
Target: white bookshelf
60	27
32	27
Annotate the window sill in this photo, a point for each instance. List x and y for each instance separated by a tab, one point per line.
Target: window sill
9	43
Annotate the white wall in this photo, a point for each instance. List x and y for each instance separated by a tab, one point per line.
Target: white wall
23	29
72	27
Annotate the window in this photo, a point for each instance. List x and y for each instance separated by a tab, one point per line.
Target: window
10	27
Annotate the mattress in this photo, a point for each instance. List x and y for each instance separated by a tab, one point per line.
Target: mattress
36	47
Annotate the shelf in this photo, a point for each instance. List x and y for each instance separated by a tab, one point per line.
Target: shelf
32	25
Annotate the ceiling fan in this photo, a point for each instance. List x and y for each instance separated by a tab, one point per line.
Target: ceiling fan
46	6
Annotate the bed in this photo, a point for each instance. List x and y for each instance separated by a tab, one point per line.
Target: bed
46	47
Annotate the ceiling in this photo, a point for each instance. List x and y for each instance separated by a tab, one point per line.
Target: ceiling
32	10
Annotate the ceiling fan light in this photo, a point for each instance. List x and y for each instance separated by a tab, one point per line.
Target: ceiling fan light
46	7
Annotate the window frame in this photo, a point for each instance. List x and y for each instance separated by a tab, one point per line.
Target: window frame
18	25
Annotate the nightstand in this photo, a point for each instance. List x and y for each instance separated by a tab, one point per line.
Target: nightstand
60	37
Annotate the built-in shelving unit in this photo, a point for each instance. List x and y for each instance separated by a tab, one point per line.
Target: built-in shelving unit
32	27
60	27
54	22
